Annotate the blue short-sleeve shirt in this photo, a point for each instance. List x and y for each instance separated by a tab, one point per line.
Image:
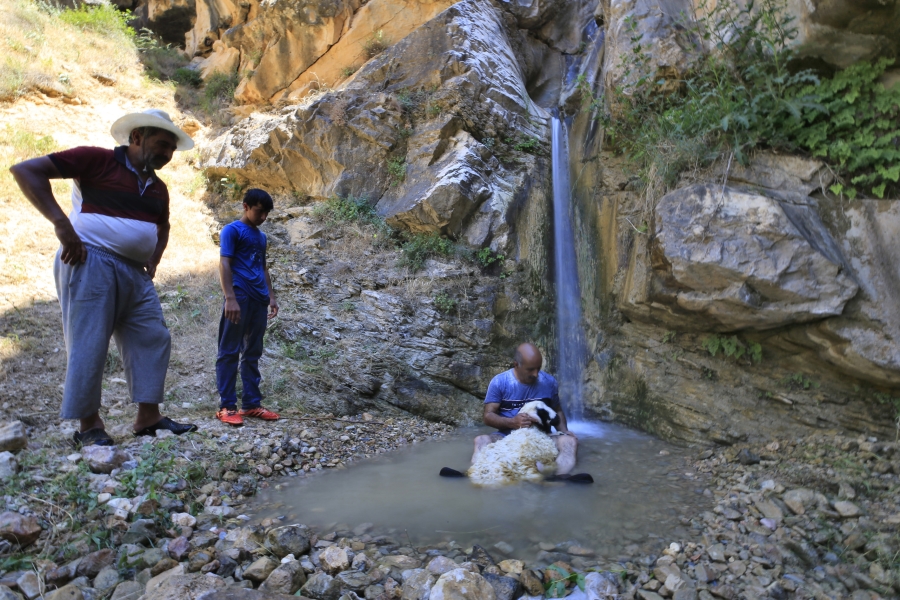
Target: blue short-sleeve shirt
245	245
512	395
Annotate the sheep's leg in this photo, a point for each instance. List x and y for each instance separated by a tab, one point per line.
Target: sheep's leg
481	442
567	446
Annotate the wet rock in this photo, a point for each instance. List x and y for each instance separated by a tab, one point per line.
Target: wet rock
287	578
460	584
103	459
361	562
334	560
13	436
716	552
505	588
601	586
91	565
417	584
511	566
68	592
289	539
399	562
19	529
745	457
260	569
481	557
316	586
179	548
353	581
9	466
531	583
244	540
227	567
441	564
128	590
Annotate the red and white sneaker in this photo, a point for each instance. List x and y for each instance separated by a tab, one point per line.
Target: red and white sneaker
260	413
230	416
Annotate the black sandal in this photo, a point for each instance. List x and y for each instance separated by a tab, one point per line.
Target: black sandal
168	424
92	437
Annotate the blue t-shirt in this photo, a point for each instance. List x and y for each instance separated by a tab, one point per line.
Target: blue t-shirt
511	395
245	245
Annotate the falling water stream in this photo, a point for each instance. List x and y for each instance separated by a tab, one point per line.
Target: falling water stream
570	334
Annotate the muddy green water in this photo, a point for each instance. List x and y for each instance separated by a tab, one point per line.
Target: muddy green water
639	497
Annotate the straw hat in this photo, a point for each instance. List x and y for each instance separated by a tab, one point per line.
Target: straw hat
153	117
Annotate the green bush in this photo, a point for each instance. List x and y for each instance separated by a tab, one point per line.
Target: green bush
743	94
347	210
445	303
733	347
186	76
419	247
104	19
397	170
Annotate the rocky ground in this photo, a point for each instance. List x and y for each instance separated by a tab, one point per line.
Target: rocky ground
166	518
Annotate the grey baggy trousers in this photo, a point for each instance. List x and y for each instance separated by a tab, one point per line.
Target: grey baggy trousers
110	296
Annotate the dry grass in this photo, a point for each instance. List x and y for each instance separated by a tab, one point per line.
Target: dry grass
41	52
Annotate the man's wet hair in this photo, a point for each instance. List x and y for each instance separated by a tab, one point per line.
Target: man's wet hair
258	197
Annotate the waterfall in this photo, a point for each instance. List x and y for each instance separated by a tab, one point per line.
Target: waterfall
570	334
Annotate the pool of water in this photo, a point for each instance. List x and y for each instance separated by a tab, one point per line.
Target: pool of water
639	497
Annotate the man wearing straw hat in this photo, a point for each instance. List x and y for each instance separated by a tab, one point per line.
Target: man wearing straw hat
110	245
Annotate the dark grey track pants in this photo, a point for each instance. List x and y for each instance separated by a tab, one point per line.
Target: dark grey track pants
110	296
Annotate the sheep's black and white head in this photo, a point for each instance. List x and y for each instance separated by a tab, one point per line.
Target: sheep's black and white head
547	417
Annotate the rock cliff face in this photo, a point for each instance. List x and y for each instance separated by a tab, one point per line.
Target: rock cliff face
748	303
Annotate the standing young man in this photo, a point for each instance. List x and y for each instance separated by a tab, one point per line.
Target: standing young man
249	296
110	246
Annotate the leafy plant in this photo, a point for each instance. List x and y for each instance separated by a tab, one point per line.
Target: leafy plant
741	94
375	45
219	92
348	71
528	145
799	381
186	76
733	347
669	336
417	248
445	303
486	257
104	19
397	170
556	588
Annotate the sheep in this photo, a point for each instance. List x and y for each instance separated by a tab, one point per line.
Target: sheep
518	455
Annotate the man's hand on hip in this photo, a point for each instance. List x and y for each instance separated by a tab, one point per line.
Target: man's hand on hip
73	250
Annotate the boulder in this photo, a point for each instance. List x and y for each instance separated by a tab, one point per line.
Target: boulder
287	578
260	569
288	539
334	560
12	436
417	584
728	259
460	584
19	529
316	586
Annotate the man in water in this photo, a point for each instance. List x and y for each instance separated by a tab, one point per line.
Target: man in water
511	390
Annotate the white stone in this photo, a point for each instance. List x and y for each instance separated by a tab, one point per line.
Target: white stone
184	519
103	497
9	466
